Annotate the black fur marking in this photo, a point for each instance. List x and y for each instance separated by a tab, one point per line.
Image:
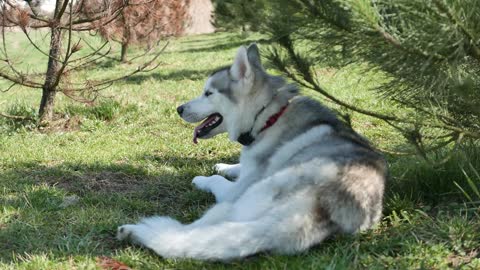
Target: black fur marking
226	68
228	93
245	139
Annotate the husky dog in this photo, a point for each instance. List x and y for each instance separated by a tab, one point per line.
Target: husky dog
304	175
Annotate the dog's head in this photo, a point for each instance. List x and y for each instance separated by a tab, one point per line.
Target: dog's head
232	97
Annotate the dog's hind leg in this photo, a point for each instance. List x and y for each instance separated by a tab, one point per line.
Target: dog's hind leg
217	214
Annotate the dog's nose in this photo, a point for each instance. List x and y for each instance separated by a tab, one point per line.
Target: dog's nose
180	110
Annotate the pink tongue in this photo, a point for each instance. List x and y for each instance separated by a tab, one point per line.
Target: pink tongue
199	127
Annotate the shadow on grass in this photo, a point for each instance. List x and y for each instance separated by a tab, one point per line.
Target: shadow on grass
224	45
186	74
198	74
213	37
415	182
177	75
69	209
36	221
107	63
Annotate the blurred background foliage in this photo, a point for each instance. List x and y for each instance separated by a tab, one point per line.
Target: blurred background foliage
427	53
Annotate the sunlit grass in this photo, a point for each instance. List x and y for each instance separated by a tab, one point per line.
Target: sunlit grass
130	155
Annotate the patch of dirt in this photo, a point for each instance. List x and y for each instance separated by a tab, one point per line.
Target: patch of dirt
456	260
62	123
326	72
103	182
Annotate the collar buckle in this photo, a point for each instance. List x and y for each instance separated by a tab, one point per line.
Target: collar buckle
245	139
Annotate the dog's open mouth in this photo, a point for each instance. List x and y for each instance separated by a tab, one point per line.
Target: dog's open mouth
212	121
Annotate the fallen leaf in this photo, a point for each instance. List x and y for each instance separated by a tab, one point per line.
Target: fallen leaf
105	262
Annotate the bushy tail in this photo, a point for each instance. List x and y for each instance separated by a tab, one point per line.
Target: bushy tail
226	240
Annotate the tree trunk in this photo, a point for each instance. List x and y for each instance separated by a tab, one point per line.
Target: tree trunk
123	54
125	37
50	86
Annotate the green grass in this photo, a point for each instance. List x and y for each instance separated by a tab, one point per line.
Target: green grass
65	189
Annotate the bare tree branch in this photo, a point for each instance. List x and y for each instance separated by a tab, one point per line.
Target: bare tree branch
8	88
16	117
59	14
20	80
68	52
67	18
35	45
146	67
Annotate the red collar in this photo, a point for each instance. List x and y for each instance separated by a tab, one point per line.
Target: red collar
274	118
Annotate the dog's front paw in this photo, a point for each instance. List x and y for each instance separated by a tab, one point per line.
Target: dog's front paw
202	183
221	168
216	184
228	170
125	231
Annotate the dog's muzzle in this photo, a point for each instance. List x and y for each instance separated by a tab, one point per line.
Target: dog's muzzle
180	110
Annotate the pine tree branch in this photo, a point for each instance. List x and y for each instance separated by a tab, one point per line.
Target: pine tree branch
378	29
307	76
458	141
300	66
317	13
473	49
420	149
411	50
443	118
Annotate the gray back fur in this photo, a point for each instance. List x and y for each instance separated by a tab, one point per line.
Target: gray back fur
353	202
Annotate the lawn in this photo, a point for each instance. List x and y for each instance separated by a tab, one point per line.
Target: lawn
64	189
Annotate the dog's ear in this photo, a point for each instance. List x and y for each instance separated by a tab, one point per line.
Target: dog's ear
246	61
241	67
253	55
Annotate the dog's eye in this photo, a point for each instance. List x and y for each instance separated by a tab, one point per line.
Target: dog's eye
208	93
